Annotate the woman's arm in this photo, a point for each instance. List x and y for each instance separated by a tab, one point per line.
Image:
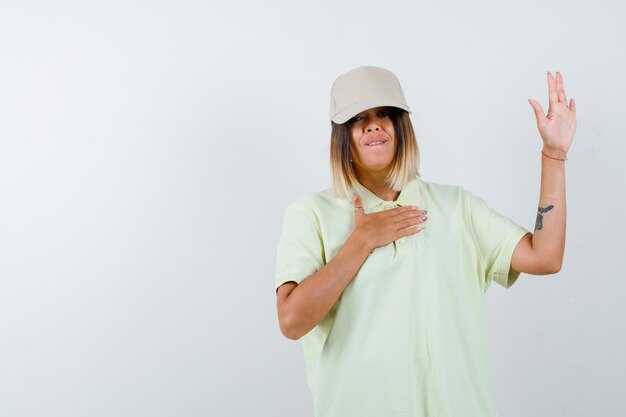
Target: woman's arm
302	306
542	252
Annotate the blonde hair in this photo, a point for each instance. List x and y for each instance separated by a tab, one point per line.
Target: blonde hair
405	165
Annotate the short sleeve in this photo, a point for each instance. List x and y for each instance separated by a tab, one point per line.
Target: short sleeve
300	250
496	238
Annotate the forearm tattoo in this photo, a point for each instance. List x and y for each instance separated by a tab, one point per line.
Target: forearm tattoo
539	222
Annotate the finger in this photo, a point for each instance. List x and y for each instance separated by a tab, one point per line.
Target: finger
409	231
572	105
560	88
401	210
358	205
410	215
553	97
539	114
409	223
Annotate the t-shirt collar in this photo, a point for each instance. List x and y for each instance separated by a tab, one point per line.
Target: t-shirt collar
408	196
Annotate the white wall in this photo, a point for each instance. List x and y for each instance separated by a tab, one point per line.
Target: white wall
148	149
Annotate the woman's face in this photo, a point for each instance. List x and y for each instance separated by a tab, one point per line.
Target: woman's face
372	141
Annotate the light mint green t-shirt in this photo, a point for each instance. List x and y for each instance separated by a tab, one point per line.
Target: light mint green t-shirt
407	336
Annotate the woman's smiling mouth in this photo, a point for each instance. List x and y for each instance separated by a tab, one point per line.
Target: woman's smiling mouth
376	143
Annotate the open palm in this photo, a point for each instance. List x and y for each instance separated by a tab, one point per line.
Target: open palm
557	128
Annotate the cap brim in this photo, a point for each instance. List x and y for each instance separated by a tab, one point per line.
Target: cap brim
351	111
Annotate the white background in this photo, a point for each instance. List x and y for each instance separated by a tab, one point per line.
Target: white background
148	149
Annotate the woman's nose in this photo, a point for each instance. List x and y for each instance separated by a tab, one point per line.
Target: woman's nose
372	125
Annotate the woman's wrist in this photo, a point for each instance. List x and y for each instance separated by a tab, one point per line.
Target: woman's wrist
357	240
554	154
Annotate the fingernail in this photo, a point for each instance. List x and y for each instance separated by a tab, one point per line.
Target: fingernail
424	218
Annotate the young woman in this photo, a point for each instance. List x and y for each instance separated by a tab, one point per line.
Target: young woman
383	274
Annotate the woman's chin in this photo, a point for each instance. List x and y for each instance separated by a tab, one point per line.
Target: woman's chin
377	166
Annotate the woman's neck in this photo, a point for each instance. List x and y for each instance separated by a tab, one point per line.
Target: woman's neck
376	183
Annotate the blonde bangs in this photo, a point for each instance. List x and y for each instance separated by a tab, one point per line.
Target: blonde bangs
406	161
344	180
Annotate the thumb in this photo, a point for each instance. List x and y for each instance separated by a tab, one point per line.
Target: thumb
358	205
539	113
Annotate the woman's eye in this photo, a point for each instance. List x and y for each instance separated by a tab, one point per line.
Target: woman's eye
384	114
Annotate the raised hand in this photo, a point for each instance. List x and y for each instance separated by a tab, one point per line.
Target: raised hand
381	228
557	128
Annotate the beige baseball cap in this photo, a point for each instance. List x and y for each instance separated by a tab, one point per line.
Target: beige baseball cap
364	88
